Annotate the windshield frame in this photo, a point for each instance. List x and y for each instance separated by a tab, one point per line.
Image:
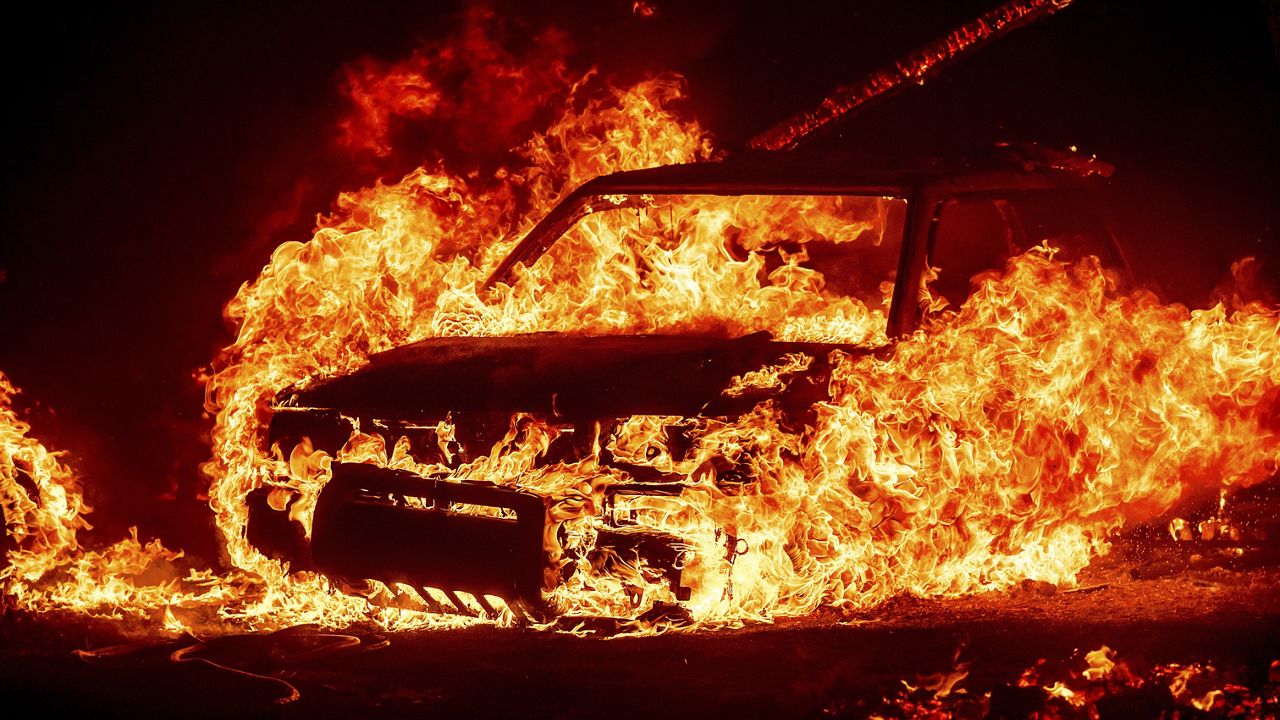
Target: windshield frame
594	197
590	199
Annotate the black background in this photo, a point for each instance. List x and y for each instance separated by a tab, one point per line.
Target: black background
155	155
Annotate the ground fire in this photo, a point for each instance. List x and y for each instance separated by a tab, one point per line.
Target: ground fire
880	430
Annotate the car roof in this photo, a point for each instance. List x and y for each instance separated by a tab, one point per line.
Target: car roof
799	172
1006	167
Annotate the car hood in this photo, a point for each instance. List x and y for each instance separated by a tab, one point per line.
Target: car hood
570	376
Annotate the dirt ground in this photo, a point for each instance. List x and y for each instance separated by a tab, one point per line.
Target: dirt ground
823	666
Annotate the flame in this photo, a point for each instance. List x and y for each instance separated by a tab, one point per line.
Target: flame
1185	678
457	82
44	505
1005	440
48	568
1100	663
1065	693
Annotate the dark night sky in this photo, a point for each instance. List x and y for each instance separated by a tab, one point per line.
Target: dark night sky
156	155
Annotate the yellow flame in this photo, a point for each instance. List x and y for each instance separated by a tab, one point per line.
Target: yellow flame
48	569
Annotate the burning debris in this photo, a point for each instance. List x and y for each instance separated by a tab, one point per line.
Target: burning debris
1096	684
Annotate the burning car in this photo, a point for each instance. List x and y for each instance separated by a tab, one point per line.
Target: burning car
842	258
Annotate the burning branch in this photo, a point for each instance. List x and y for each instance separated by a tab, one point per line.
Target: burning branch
916	67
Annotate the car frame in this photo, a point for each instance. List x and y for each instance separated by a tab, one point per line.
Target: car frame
366	528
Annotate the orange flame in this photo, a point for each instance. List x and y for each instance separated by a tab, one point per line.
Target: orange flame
48	569
1004	441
